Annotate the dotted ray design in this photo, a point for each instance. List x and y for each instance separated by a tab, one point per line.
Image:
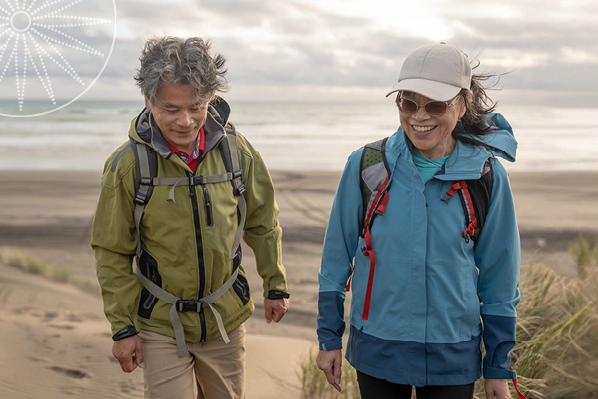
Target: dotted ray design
41	41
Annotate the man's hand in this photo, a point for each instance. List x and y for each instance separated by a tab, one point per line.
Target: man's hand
129	353
274	309
330	363
497	389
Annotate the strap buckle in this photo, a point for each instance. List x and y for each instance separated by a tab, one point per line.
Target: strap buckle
238	191
238	185
188	306
140	198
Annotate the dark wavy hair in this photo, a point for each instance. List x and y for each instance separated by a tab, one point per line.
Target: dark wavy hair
474	122
175	60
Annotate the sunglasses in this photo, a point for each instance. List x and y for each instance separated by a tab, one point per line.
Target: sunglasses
434	108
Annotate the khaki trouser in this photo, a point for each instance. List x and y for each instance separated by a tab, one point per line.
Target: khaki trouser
211	370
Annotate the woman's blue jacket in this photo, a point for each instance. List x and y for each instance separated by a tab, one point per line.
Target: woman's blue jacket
436	296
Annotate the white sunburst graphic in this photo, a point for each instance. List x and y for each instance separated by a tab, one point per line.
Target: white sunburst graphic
52	52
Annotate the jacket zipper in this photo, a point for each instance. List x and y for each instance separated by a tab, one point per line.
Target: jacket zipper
207	204
200	260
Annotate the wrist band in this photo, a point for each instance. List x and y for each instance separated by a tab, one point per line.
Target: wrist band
125	332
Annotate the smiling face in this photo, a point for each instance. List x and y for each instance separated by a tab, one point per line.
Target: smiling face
431	135
178	114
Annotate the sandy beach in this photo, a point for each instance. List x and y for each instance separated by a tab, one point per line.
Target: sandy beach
56	341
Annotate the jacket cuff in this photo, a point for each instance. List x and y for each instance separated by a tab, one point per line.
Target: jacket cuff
125	332
331	325
331	345
499	339
276	294
492	373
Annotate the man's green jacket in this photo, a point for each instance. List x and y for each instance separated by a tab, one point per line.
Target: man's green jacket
186	244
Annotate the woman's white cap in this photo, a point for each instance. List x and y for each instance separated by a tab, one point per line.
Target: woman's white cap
437	71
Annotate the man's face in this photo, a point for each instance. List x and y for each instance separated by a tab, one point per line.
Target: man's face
179	115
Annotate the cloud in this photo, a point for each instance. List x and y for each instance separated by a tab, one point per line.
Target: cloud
547	47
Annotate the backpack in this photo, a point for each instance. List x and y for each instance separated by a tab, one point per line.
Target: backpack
475	198
146	178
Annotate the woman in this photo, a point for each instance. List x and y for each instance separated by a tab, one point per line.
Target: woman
416	319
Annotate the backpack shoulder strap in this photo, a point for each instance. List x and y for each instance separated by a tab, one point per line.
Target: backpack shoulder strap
231	159
475	198
375	181
232	163
374	178
146	168
480	191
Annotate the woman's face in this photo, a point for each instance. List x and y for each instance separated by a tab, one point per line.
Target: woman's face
431	135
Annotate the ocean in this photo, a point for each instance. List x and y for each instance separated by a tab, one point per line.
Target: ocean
290	136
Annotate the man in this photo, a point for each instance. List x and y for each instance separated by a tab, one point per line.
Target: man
178	313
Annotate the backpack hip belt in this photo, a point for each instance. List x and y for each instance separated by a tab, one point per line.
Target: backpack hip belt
180	305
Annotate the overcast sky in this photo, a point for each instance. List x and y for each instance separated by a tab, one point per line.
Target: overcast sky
345	49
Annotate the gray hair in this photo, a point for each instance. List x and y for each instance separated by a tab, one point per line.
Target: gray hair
174	60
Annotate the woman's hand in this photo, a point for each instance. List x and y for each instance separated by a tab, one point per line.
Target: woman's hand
330	363
497	389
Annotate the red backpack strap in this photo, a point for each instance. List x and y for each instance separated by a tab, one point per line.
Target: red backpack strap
375	182
468	208
379	206
517	387
475	198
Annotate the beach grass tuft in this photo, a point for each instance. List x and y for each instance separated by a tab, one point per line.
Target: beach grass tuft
23	261
32	264
314	384
556	355
585	254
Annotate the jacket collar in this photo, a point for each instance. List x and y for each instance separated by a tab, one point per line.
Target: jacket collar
144	128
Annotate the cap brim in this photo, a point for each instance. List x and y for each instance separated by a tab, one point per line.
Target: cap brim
427	88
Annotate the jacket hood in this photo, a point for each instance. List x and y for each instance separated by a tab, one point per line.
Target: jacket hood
501	139
145	130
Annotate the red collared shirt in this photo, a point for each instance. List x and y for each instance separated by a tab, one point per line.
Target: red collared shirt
191	159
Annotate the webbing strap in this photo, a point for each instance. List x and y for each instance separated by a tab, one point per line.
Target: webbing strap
517	387
378	207
470	230
167	297
470	217
145	178
368	293
191	180
233	155
231	159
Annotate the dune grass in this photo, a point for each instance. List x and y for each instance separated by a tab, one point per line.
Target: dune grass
556	356
314	384
32	264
